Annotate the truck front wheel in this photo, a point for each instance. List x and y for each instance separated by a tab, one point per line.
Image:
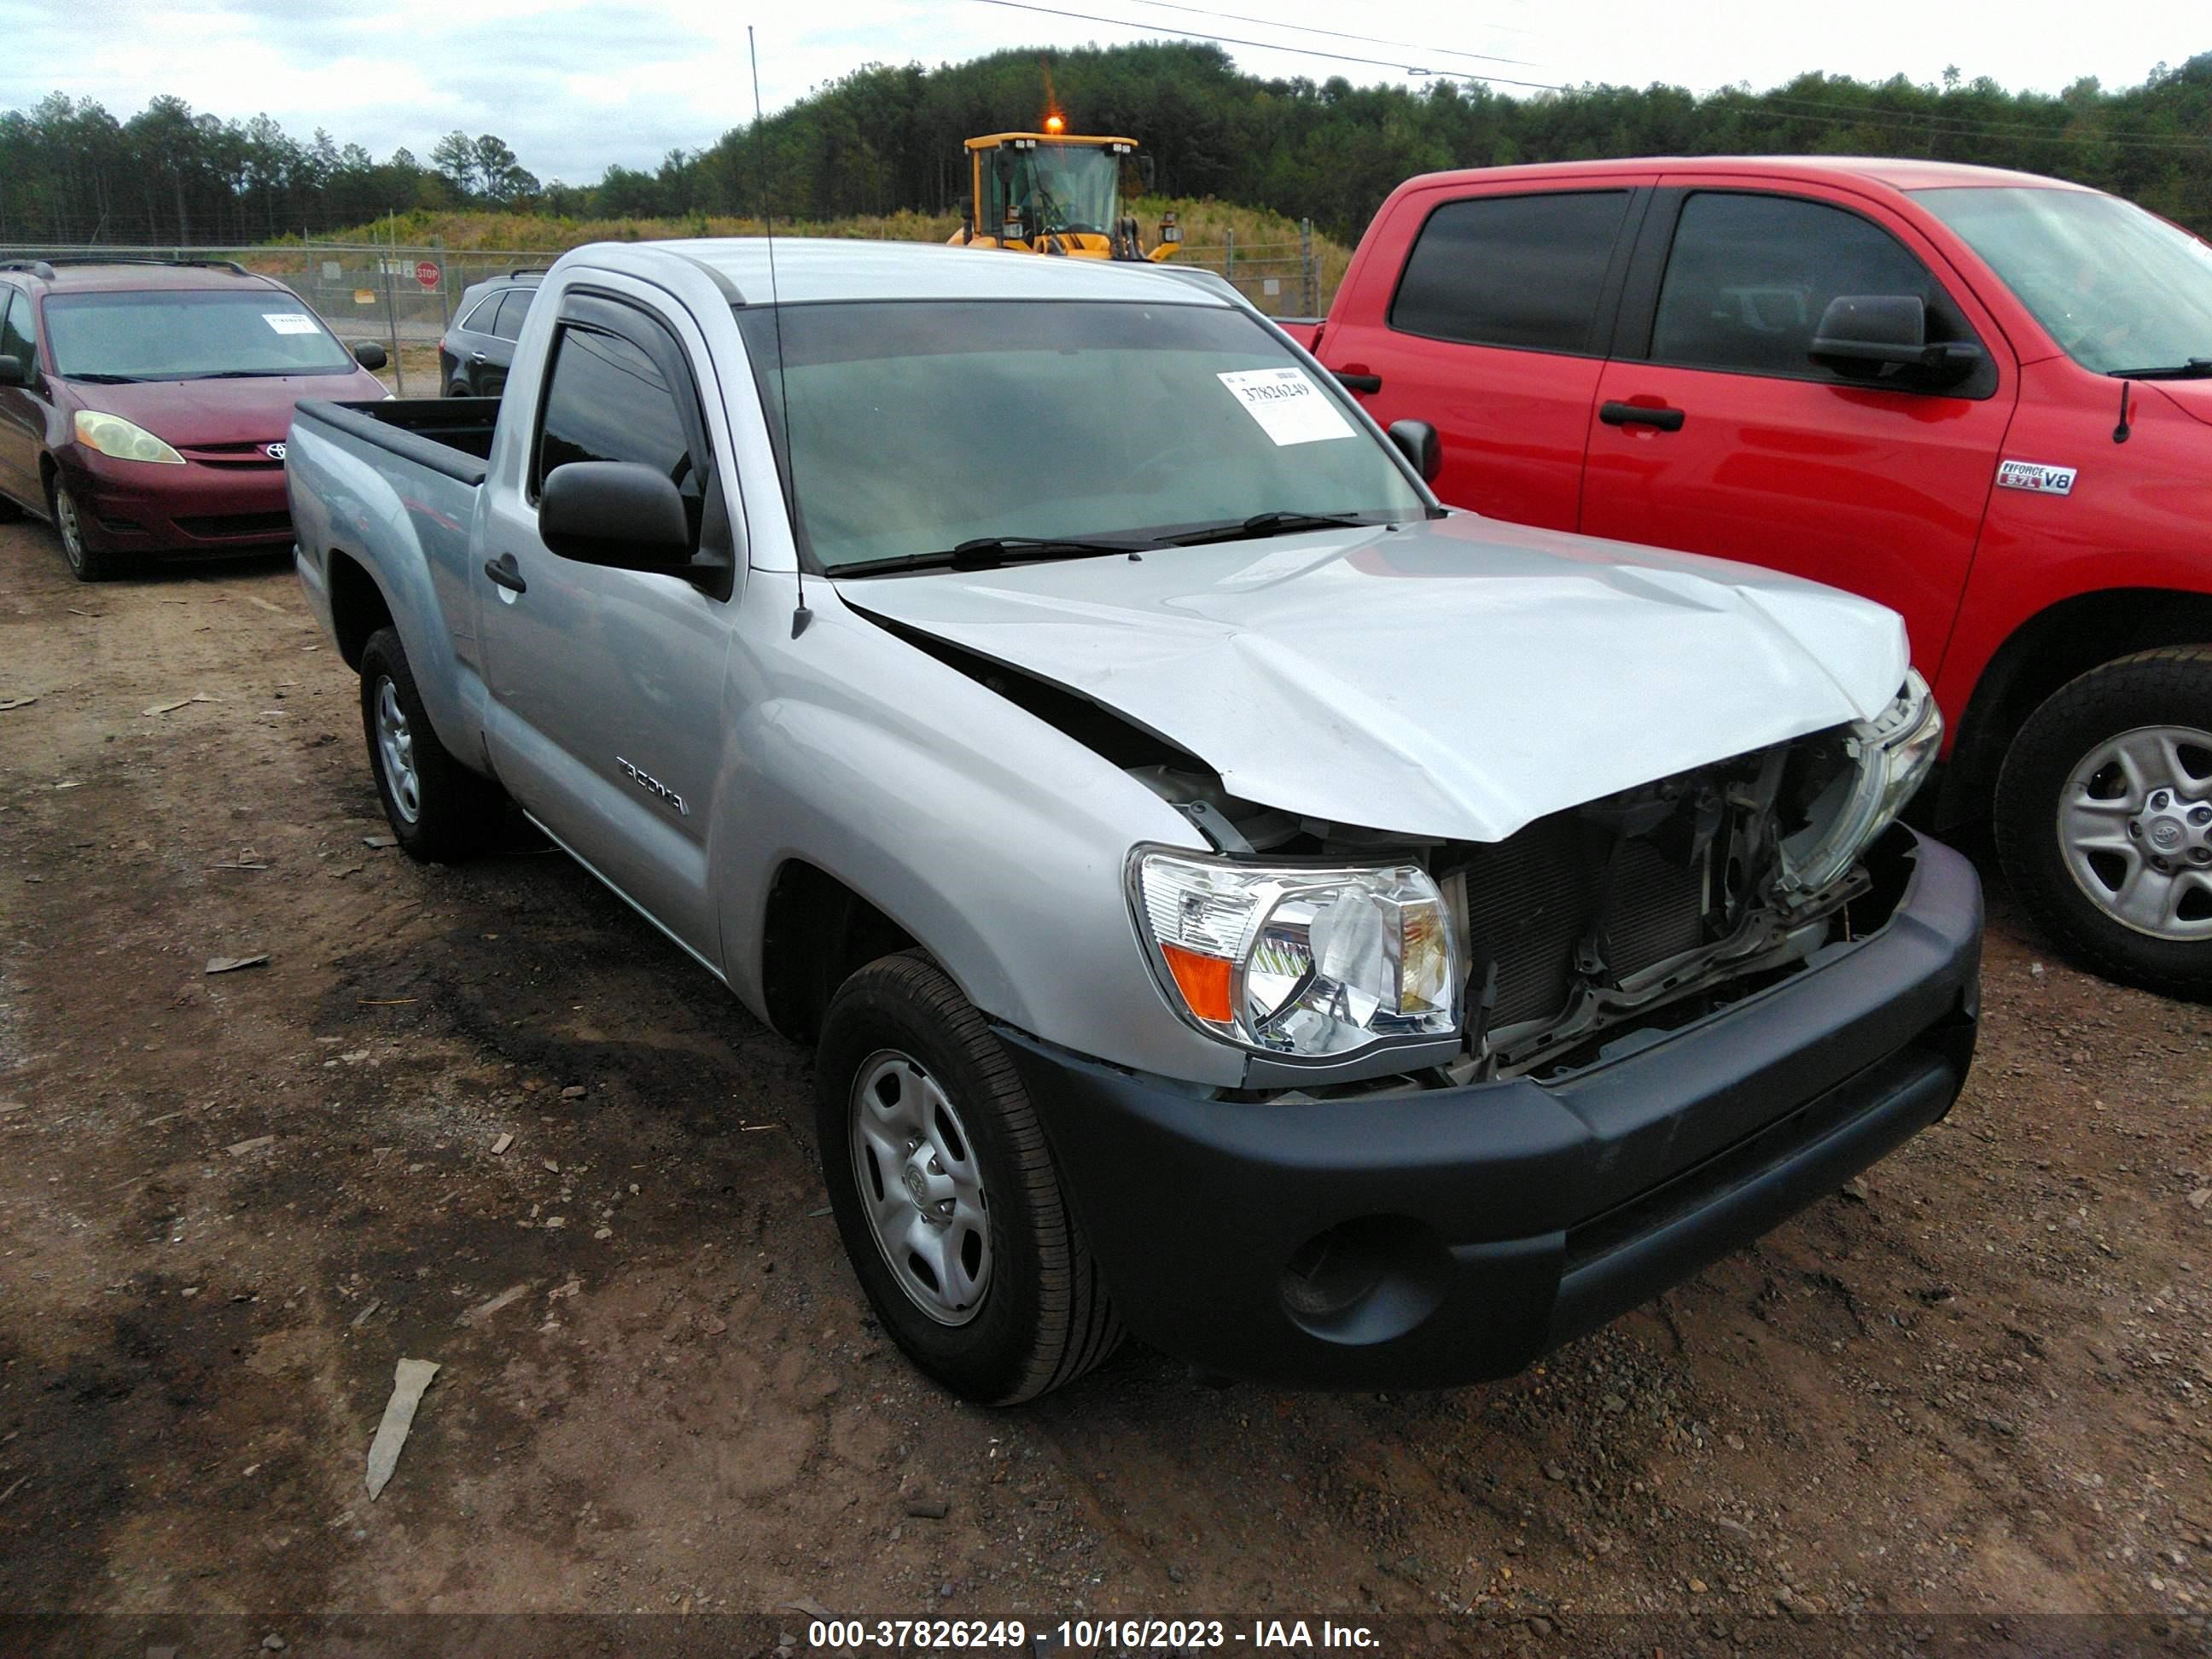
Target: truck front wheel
945	1194
439	810
2104	819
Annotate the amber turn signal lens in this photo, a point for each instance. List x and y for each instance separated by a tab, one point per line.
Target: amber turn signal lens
1203	981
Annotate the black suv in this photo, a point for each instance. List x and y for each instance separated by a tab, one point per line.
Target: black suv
479	347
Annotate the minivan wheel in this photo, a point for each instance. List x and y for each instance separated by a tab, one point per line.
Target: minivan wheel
945	1194
440	809
2104	819
86	563
459	389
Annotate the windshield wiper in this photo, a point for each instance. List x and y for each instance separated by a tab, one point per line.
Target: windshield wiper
1270	523
985	552
242	374
104	380
2196	369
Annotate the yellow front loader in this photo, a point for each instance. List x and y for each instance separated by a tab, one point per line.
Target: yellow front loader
1053	192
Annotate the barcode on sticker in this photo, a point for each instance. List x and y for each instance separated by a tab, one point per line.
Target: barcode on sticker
1290	408
289	322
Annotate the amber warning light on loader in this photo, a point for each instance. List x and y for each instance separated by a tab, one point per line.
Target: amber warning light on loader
1054	125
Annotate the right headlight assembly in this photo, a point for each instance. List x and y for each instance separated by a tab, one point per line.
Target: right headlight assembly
1317	962
1891	755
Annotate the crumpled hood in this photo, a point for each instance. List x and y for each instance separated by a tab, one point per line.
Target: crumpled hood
196	413
1457	677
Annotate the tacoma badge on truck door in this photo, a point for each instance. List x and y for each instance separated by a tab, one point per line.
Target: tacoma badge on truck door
653	785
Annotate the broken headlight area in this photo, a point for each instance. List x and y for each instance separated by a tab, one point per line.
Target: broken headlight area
1569	942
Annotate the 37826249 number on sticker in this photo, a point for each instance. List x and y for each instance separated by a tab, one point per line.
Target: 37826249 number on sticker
1288	407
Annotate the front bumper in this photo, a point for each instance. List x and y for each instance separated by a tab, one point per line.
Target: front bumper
1469	1230
127	506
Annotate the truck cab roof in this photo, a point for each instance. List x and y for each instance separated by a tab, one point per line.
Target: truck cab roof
1894	173
815	271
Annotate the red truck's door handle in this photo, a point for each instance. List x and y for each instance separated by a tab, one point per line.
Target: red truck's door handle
504	571
1357	379
1666	420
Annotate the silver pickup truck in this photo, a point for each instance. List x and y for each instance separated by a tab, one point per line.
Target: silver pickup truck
1343	941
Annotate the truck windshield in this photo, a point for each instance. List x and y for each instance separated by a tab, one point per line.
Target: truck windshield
2120	289
1056	188
188	334
917	426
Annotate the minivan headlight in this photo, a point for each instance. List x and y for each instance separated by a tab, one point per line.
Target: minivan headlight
1312	962
1893	754
115	437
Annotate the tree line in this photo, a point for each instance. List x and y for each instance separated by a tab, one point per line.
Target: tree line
885	138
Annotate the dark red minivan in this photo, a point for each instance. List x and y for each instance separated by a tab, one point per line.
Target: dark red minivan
143	403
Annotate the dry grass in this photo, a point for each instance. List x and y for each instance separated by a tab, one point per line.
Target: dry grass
1267	243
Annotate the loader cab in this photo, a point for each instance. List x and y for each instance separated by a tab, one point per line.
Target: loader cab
1048	192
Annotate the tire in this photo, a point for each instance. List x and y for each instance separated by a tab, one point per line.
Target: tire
86	563
2104	819
459	389
1038	1317
440	809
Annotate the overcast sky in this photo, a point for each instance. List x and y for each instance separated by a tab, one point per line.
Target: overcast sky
576	84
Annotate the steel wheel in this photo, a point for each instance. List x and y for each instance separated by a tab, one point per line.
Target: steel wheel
395	745
916	1170
2135	829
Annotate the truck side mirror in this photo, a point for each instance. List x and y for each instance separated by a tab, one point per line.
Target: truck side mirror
368	354
13	372
1877	337
1418	443
615	512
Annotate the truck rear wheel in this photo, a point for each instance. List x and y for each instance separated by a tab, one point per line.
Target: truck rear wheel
945	1193
2104	819
438	809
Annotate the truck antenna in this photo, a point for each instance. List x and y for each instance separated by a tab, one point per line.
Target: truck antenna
802	616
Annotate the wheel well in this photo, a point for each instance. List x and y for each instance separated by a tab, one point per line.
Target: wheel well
817	932
2046	651
357	607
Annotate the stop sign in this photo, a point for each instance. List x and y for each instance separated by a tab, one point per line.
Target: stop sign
427	274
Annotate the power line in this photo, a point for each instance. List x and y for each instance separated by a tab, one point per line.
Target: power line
1336	35
1271	46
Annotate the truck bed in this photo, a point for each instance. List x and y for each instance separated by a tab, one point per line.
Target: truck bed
449	435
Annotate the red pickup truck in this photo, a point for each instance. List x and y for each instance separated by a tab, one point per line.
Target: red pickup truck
1984	398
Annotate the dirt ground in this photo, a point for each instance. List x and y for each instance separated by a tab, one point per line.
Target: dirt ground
230	1203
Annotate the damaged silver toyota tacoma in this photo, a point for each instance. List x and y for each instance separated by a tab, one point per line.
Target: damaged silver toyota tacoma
1231	898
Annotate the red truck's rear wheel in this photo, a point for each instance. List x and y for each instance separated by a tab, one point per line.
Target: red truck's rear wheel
2104	819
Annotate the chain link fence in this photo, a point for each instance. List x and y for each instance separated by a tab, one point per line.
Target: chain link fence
1282	279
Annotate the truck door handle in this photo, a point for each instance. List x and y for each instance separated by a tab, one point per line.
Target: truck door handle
1352	380
503	571
1666	420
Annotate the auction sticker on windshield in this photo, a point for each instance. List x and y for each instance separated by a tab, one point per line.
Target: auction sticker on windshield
1290	408
289	322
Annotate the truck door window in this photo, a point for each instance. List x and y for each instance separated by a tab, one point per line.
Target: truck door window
608	400
1750	275
1512	270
